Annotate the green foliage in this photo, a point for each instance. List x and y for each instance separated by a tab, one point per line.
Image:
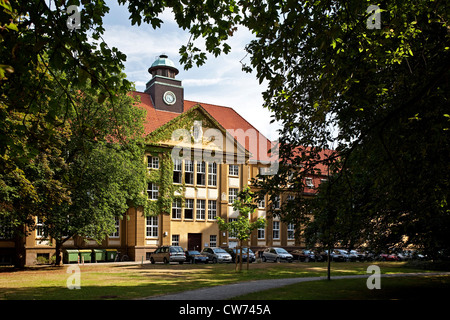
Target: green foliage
242	227
163	177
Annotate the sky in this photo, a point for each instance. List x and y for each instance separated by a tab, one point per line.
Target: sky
219	81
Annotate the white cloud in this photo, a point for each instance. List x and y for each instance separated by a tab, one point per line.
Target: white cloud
220	81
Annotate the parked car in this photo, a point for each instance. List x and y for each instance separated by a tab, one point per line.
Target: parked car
388	257
337	256
277	255
193	256
168	254
216	255
306	255
235	253
348	255
359	255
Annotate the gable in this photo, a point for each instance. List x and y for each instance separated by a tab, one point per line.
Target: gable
195	131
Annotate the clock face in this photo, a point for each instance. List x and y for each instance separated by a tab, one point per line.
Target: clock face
169	97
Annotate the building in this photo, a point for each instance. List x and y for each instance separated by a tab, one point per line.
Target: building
199	156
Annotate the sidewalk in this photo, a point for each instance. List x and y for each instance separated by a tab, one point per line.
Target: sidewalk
237	289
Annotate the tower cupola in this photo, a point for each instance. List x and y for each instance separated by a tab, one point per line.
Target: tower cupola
166	92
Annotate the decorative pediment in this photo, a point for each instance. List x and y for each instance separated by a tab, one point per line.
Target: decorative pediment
197	132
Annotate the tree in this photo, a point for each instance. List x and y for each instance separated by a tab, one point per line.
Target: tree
242	228
377	95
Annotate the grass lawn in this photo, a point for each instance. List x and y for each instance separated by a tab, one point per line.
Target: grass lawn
134	281
399	288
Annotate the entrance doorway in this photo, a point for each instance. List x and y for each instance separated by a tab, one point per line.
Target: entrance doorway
195	241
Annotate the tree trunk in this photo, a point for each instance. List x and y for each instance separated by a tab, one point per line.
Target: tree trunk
329	264
248	257
240	258
58	250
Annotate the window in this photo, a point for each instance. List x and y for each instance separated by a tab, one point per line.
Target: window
200	210
6	232
188	172
177	165
262	172
232	195
233	170
151	226
276	230
261	233
39	228
176	209
153	191
212	209
152	162
201	173
213	241
232	234
262	203
115	234
175	239
276	202
212	174
189	209
309	183
290	231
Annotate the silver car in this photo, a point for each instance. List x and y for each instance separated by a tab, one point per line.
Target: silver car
168	254
277	255
217	255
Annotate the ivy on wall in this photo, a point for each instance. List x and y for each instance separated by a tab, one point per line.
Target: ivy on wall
184	120
163	177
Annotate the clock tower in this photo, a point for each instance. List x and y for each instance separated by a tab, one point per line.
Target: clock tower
166	91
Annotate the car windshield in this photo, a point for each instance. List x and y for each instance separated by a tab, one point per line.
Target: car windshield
176	249
218	250
194	252
281	250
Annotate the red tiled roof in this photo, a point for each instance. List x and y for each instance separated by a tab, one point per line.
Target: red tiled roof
227	117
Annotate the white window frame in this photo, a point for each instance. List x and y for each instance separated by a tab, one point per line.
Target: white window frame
189	204
177	167
175	239
291	231
176	208
276	202
212	209
232	195
201	173
262	203
39	228
200	211
261	233
152	191
276	230
151	227
233	170
189	172
152	162
212	174
116	233
213	240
